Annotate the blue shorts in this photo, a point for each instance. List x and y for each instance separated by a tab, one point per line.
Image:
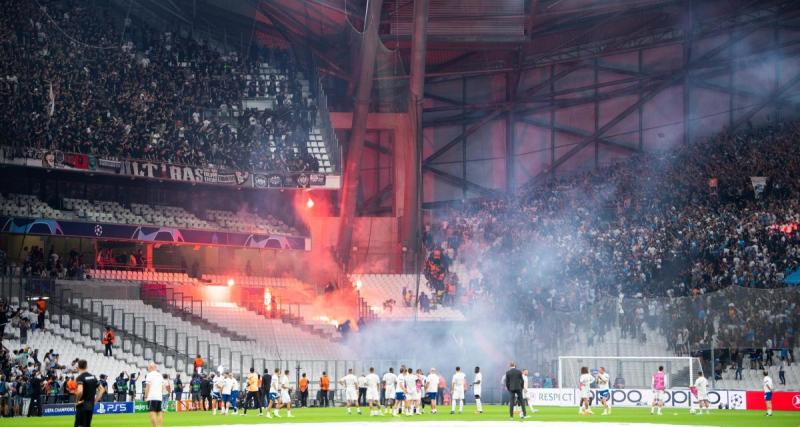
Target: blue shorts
216	396
603	394
226	398
272	396
768	396
234	398
400	396
431	396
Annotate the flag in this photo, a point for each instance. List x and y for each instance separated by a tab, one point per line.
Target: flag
52	97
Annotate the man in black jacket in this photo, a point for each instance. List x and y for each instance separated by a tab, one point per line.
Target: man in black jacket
514	384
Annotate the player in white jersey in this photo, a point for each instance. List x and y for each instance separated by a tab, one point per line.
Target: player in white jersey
476	390
372	382
768	388
584	382
526	395
350	383
459	384
218	382
432	388
412	380
400	393
286	393
701	388
389	388
603	381
275	393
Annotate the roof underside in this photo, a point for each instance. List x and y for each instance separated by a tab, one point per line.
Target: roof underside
464	36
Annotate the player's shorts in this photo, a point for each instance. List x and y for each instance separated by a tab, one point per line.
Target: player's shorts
458	395
659	395
195	396
83	417
272	396
285	398
768	396
586	394
153	406
226	398
216	396
351	395
413	395
703	396
373	394
234	398
400	396
603	394
431	395
477	396
390	392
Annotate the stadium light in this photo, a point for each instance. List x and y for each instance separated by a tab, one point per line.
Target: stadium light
231	282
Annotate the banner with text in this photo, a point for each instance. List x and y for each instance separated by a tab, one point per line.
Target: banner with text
679	398
54	159
781	400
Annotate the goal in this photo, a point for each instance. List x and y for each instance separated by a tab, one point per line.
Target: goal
630	372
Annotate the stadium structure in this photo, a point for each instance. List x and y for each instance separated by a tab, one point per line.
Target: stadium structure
321	186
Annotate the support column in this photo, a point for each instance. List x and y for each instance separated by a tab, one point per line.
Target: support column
412	196
355	147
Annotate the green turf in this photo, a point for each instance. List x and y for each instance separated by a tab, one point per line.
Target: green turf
620	415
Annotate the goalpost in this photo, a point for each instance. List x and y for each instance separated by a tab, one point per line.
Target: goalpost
631	371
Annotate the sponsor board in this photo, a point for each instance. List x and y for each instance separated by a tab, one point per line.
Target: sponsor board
100	408
781	400
678	398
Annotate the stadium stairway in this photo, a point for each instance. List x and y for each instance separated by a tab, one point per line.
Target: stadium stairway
172	308
286	341
88	317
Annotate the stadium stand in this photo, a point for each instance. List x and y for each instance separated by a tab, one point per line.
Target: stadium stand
22	205
150	72
379	290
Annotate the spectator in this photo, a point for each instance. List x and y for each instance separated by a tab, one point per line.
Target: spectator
108	341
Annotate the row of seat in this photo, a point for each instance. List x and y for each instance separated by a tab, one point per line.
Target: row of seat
378	288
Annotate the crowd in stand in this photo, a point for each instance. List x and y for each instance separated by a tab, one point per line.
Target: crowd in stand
656	239
77	80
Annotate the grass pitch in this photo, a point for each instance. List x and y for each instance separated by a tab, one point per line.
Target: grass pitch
491	413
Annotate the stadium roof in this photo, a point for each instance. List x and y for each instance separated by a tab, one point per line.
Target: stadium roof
464	36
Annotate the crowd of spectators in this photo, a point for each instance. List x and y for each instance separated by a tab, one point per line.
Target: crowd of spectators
78	79
658	239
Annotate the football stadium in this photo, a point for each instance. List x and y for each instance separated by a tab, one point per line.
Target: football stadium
451	213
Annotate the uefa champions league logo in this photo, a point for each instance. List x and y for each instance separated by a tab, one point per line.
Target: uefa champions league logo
736	401
98	230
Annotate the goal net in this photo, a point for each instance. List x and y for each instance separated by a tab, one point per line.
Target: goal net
630	372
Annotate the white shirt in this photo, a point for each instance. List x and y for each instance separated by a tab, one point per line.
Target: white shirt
767	384
155	381
390	379
362	381
227	385
433	383
220	369
285	382
477	383
372	381
275	386
701	383
586	380
350	381
401	383
235	384
603	381
458	380
219	383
